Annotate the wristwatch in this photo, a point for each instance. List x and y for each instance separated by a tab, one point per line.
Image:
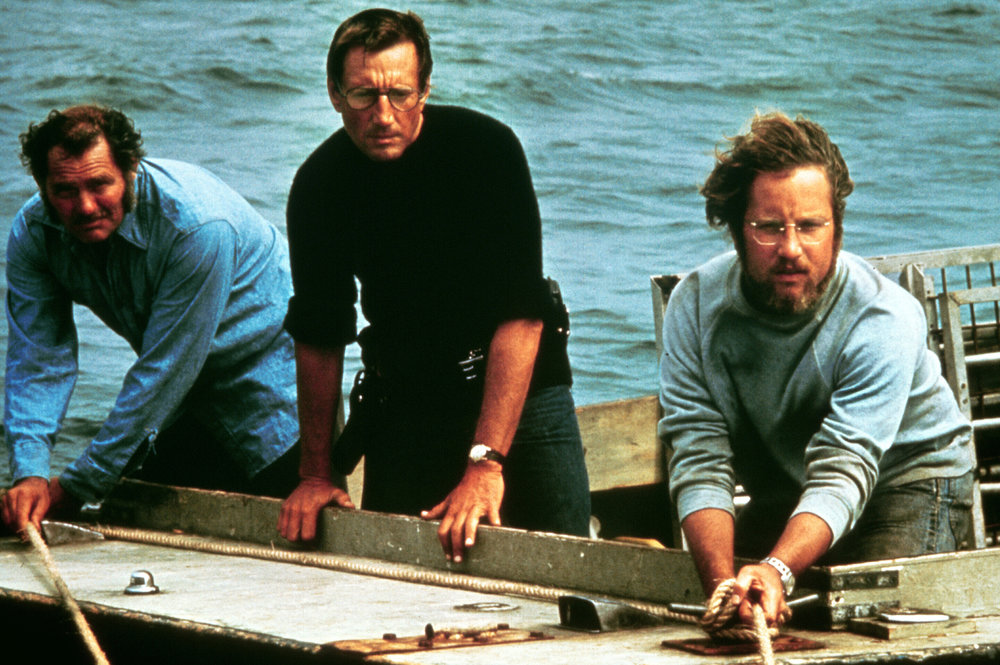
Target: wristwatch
482	453
787	579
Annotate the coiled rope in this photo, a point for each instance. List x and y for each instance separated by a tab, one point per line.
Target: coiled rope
721	621
65	596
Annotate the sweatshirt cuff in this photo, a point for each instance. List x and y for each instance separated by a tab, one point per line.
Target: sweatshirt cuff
829	508
702	497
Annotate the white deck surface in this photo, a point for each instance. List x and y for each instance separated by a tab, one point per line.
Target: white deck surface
317	606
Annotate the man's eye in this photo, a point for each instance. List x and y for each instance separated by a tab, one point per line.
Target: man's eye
772	228
400	94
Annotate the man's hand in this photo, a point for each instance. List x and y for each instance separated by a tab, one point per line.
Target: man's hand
761	584
300	510
28	501
478	495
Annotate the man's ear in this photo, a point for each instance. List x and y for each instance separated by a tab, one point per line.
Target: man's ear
335	98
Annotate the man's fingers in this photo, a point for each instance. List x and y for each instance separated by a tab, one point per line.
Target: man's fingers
494	515
458	536
307	525
444	535
435	512
341	498
471	525
35	516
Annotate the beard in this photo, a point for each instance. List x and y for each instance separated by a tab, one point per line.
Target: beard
765	297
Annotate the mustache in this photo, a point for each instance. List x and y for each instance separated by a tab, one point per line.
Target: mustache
83	220
789	267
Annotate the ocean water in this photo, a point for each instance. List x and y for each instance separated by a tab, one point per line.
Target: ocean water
619	106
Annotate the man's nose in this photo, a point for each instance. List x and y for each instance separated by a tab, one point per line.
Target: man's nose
384	113
86	203
790	245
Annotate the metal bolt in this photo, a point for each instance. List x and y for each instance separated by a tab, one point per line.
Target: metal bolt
141	583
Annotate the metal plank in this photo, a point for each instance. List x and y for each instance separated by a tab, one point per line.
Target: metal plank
939	258
961	584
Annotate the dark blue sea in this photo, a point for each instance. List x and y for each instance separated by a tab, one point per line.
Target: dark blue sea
619	106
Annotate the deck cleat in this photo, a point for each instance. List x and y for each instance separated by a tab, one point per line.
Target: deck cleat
141	583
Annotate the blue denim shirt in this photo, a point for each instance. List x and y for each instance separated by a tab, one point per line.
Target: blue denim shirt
198	283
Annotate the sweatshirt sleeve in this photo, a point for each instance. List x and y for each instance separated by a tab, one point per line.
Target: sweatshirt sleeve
701	472
873	376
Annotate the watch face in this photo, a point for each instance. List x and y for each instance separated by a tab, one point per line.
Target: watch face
478	452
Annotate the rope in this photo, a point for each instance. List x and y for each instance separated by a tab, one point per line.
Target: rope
64	594
370	568
721	621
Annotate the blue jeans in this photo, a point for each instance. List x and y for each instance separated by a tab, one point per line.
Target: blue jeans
414	460
921	517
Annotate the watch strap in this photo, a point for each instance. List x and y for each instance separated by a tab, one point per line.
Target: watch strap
480	452
787	578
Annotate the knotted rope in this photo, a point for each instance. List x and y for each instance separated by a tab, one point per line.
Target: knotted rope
65	596
721	621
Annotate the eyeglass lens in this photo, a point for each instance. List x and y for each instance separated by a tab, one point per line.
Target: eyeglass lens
770	233
401	99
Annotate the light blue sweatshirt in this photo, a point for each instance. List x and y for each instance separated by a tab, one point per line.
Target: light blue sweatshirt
821	406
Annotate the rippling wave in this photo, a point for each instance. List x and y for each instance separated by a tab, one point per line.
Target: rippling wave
619	106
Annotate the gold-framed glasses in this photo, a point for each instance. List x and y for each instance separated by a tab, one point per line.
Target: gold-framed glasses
401	99
809	231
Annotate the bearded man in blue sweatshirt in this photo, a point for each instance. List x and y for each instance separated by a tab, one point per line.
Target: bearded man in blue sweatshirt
798	371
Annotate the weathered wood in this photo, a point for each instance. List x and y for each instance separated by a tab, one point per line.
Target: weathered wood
620	443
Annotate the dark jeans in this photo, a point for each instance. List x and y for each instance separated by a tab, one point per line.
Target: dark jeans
414	461
188	455
921	517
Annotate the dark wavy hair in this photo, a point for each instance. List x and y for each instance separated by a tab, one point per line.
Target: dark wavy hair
376	30
774	143
75	130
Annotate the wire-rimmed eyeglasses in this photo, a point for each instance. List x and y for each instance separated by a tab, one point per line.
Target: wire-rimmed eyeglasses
809	231
401	99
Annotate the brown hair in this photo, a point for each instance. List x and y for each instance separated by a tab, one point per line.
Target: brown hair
75	130
376	30
774	143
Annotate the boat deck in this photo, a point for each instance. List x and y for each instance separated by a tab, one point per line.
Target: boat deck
222	608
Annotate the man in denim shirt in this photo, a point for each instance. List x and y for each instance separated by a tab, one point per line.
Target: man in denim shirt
183	268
